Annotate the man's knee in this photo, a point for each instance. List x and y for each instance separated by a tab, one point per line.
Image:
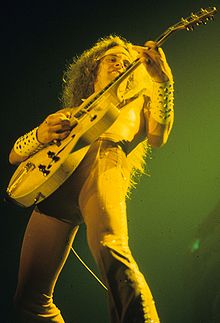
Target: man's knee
115	248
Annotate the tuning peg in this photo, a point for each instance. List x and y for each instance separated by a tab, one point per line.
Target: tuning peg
203	10
194	16
199	23
184	20
190	28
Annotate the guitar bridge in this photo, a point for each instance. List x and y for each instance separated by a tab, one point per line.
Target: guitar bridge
42	168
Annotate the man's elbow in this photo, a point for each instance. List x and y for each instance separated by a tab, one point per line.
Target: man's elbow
12	160
15	159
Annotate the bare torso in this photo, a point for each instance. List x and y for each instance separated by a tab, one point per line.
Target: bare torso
130	125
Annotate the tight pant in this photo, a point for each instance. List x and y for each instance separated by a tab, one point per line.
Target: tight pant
95	195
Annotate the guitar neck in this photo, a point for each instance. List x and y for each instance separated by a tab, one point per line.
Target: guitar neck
163	37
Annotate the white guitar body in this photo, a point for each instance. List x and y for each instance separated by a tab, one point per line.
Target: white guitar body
41	174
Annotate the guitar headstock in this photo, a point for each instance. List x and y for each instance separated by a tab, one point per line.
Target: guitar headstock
189	23
196	19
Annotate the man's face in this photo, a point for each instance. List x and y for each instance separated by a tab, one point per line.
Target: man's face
113	62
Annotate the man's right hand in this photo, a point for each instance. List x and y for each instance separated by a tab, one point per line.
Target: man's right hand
56	126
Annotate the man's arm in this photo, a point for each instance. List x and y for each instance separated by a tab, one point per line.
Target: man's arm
158	111
159	114
55	127
158	133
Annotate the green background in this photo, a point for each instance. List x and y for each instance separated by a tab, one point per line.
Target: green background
174	214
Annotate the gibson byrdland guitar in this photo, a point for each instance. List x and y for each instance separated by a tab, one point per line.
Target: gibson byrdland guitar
42	173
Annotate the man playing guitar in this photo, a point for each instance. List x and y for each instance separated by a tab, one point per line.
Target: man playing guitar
96	191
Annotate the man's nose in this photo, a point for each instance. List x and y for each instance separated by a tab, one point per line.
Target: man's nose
119	64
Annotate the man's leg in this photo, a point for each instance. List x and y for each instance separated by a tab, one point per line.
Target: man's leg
45	248
102	203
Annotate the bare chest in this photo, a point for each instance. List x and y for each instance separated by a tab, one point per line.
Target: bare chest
130	121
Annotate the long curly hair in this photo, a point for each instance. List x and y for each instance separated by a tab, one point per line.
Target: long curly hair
80	75
78	84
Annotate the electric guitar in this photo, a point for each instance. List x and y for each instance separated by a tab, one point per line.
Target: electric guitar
42	173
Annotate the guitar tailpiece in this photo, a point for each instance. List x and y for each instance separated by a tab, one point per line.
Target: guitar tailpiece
161	106
28	144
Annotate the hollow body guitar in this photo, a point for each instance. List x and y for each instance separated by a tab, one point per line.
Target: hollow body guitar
44	172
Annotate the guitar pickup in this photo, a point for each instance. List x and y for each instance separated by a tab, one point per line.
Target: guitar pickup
53	156
42	168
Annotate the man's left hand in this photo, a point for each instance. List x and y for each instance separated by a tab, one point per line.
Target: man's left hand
155	62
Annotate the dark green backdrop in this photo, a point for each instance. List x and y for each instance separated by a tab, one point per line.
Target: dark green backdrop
174	214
